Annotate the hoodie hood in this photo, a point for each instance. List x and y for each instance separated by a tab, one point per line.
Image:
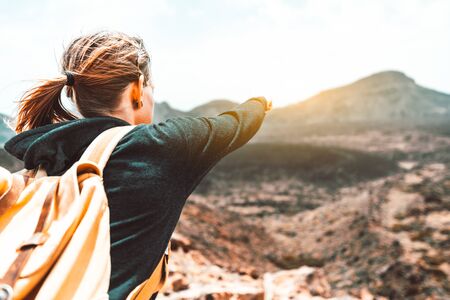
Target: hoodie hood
57	146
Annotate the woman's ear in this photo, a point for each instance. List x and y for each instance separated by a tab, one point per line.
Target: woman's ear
138	88
137	92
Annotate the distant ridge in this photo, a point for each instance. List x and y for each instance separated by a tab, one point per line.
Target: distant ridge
388	96
385	97
5	131
163	111
213	107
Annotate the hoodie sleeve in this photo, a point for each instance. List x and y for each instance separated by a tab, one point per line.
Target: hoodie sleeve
208	139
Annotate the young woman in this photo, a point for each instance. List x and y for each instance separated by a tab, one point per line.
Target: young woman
153	169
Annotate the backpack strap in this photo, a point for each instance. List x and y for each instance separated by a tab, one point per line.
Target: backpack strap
99	152
156	280
103	145
32	174
24	251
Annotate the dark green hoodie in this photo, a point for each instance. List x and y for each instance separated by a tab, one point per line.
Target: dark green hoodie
149	176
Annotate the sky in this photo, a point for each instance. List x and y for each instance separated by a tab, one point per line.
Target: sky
202	50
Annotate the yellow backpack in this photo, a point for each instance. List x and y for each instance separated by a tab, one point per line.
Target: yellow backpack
54	231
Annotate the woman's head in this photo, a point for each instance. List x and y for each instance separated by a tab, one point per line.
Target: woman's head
108	69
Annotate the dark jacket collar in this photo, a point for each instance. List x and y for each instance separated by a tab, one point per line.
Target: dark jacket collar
57	146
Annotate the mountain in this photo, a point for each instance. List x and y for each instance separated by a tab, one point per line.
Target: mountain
385	97
213	107
163	111
5	131
387	100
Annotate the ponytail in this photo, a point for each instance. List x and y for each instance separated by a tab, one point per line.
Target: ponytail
103	64
41	105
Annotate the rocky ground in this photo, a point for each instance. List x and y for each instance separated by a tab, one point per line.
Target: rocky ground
381	238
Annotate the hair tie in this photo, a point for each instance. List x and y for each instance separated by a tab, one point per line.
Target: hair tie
70	78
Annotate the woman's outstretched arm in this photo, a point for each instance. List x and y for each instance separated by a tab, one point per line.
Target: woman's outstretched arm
211	138
193	145
208	139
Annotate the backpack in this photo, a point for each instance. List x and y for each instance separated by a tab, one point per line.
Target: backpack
54	231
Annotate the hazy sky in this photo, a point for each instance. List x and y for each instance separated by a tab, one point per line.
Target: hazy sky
285	50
